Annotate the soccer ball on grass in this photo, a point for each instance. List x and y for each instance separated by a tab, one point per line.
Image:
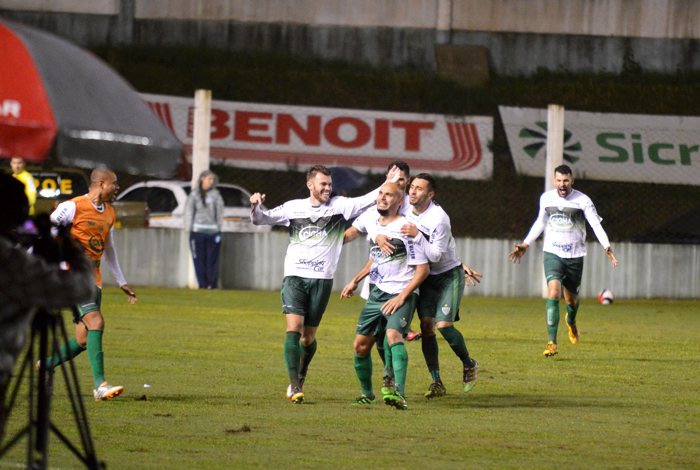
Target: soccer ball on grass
605	297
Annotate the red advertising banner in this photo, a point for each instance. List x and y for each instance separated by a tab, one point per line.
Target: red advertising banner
281	137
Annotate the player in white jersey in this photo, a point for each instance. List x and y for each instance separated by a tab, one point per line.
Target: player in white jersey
441	294
564	212
316	227
395	278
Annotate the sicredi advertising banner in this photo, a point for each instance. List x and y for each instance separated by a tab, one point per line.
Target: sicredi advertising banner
612	147
264	136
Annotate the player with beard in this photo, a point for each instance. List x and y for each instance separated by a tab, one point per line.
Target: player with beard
564	211
316	226
395	278
441	293
92	222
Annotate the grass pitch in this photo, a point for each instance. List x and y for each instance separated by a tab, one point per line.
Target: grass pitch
627	396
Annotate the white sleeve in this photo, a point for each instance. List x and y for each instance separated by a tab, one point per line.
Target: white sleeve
276	216
110	257
601	235
433	251
360	224
594	220
415	252
354	206
538	227
64	213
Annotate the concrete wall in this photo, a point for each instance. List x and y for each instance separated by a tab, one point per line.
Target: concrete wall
159	257
521	36
670	19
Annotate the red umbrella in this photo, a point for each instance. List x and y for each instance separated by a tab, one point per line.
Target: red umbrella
56	98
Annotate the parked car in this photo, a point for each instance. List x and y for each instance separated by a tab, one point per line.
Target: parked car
165	201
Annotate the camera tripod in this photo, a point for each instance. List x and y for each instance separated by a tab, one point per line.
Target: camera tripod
48	329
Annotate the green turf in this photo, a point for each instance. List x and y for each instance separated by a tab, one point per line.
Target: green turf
627	396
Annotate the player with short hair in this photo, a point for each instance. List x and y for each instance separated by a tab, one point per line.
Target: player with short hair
441	293
92	222
389	308
316	226
19	172
564	212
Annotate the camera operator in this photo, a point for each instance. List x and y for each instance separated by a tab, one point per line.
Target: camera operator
28	282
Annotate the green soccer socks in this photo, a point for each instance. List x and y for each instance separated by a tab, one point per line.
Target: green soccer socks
68	351
96	357
292	356
400	359
571	313
363	368
307	353
552	319
456	341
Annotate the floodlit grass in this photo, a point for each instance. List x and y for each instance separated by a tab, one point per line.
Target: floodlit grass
627	396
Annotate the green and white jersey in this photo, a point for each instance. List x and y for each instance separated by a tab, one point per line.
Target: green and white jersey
565	220
390	273
435	238
315	232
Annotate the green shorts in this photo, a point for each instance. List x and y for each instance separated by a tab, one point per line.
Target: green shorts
441	294
372	320
568	271
84	309
306	297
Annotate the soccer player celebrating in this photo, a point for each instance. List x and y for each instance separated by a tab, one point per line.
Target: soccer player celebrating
563	211
441	293
316	227
392	299
93	225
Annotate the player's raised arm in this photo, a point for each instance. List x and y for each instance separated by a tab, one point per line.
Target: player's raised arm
276	216
520	249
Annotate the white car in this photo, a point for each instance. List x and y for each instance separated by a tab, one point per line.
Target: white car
166	201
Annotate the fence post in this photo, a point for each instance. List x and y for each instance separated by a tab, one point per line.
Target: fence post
554	157
200	154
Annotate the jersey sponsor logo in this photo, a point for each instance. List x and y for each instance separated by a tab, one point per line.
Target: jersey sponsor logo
560	221
312	233
316	265
96	244
565	247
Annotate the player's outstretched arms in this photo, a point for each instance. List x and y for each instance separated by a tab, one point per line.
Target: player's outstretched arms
384	245
351	234
128	291
520	249
393	175
611	255
470	275
256	199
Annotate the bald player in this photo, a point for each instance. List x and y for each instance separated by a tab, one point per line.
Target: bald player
92	222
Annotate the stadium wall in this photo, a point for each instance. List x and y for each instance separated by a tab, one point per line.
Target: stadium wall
159	258
521	37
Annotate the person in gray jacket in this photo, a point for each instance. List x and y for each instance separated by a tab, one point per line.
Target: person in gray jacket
204	217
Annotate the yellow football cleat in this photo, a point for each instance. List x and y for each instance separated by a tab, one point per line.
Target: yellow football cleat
573	333
550	350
